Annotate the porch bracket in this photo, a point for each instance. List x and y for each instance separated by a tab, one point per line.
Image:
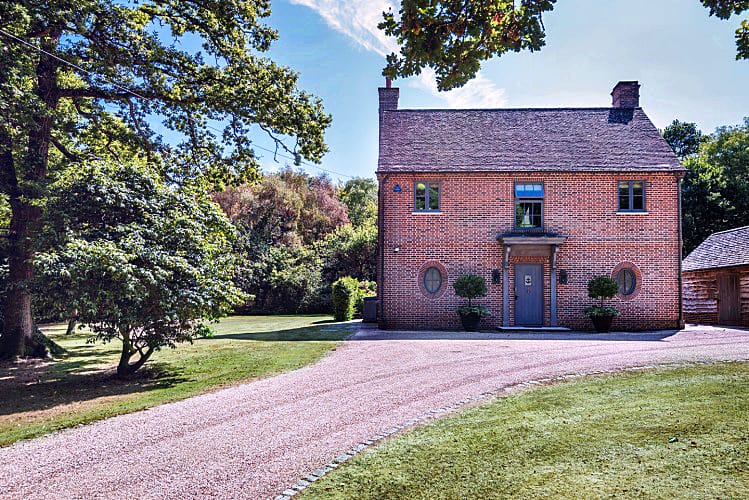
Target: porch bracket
506	285
553	305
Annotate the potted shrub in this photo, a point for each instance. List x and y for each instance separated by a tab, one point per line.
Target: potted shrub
471	286
602	288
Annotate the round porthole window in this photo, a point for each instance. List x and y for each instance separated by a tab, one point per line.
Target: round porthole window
627	281
432	280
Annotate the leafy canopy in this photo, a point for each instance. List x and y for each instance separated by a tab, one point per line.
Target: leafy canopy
715	194
453	37
684	138
137	260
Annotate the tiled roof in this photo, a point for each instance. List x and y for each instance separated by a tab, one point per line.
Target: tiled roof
483	140
724	249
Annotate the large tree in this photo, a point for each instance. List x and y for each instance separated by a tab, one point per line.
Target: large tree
684	138
453	37
137	259
81	79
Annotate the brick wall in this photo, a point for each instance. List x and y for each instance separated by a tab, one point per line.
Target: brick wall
475	207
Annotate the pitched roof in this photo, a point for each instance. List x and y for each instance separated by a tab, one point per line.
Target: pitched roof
485	140
723	249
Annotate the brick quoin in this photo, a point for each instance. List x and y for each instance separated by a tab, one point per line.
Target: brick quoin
476	206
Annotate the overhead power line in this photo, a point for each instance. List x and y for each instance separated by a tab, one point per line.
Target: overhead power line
135	94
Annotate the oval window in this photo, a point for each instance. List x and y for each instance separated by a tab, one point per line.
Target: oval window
432	280
626	280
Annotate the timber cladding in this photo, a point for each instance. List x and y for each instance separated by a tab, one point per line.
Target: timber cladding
477	206
717	296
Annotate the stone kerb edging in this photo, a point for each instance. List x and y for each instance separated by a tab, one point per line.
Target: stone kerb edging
316	474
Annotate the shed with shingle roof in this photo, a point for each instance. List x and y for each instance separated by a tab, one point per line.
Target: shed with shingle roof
716	279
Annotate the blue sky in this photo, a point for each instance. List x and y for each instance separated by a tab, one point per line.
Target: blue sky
684	60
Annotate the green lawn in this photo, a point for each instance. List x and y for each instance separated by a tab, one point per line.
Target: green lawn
664	433
40	397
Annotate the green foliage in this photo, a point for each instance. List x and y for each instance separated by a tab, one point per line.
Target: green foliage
345	296
715	193
366	289
724	9
360	197
470	286
601	311
482	311
684	138
140	261
56	115
453	37
602	287
295	241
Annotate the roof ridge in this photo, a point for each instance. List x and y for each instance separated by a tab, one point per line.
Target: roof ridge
730	230
569	108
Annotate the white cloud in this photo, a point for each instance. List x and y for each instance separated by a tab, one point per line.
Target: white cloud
358	20
477	93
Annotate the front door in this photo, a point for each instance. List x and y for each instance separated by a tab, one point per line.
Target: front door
529	295
728	299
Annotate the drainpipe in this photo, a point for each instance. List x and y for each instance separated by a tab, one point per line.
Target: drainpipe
680	325
381	323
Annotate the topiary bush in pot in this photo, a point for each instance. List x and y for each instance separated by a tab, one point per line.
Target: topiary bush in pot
471	286
602	288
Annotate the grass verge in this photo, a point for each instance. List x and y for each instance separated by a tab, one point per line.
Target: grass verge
38	397
676	432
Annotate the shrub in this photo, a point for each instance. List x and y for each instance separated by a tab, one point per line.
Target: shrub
601	288
345	295
471	286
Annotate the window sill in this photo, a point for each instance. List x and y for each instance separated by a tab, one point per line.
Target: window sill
633	212
426	212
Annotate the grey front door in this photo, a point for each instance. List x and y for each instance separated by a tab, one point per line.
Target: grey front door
529	295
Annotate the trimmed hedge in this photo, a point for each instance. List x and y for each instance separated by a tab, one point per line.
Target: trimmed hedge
345	296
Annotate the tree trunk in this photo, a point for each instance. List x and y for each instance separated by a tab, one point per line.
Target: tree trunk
18	330
71	325
125	369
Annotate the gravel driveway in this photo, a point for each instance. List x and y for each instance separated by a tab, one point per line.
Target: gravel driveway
257	439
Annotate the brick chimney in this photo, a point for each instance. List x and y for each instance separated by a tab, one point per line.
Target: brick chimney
626	95
388	96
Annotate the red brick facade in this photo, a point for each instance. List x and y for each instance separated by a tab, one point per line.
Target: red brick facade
475	207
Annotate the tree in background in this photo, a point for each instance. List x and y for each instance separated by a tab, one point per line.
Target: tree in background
137	260
127	66
360	197
715	191
684	138
453	37
283	221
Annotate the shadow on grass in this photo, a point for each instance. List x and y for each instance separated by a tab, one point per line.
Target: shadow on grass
302	334
22	391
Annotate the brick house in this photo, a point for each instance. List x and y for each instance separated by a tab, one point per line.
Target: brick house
716	279
537	201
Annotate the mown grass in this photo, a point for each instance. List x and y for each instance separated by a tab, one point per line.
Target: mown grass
40	397
665	433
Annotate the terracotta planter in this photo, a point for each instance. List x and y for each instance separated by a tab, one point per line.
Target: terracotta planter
602	324
470	321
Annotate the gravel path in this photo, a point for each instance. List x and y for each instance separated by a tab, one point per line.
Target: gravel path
254	440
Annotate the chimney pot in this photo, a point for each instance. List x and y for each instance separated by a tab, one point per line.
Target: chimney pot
626	95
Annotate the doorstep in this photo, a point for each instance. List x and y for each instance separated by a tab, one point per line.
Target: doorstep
528	329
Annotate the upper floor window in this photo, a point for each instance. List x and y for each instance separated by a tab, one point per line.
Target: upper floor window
427	196
631	196
529	205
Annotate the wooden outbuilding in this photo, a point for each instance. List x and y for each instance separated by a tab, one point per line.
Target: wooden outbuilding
716	280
